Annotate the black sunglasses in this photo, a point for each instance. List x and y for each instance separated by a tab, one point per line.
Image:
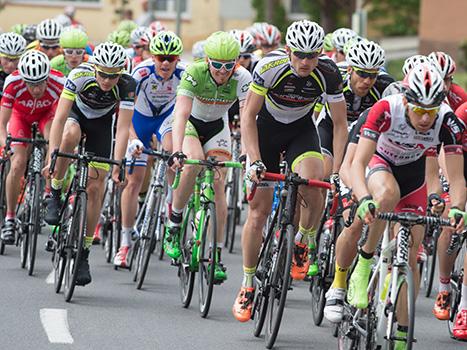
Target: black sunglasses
364	74
245	55
104	75
50	47
302	55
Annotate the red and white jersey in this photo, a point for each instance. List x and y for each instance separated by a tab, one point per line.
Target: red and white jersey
16	95
398	142
461	113
456	96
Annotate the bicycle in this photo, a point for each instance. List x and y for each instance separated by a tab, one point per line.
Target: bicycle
330	227
428	268
272	276
375	326
69	234
198	232
151	233
4	169
29	210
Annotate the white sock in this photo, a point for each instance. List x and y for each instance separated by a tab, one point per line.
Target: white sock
444	287
463	304
298	237
126	236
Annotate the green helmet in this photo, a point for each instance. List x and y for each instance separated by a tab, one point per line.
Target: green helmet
328	46
222	46
166	43
127	26
18	28
120	37
73	39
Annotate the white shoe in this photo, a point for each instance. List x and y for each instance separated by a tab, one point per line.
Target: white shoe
121	257
334	308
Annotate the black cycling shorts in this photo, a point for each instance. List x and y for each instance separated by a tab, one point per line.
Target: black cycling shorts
325	131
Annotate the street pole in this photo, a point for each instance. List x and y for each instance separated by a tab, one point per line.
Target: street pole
178	8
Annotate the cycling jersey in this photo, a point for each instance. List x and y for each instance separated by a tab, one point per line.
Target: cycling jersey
456	96
16	95
212	101
3	76
90	101
289	97
461	113
398	142
59	63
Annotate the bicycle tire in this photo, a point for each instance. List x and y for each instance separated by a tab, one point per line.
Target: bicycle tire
59	257
4	164
35	223
108	243
75	241
206	262
116	222
148	241
432	259
233	212
280	277
23	236
186	272
346	334
228	195
405	277
457	277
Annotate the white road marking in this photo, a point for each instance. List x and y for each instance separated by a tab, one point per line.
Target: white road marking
55	324
50	278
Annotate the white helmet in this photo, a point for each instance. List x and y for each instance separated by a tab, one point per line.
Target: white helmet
109	55
412	61
245	39
305	36
197	51
366	55
268	34
443	62
12	44
341	36
63	20
137	34
424	86
34	66
48	29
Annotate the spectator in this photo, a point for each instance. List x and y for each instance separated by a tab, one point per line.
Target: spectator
146	17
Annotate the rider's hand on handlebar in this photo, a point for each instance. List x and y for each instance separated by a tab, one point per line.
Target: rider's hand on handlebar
176	160
367	209
135	148
436	203
256	171
458	218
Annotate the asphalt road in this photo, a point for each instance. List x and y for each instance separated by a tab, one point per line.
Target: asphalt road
111	314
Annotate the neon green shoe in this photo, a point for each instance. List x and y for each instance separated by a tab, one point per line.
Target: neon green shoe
399	344
172	242
357	294
313	268
220	272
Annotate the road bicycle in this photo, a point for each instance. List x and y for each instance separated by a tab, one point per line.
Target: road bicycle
272	277
4	169
70	233
198	235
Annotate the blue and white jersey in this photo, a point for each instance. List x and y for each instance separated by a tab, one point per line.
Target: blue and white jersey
155	97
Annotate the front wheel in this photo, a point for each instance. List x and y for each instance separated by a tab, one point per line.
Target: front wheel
186	270
207	258
35	222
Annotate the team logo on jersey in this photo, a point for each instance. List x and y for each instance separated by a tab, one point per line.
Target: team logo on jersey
245	87
69	85
143	73
273	64
257	79
189	78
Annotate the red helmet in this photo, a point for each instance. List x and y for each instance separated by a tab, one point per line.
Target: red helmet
269	34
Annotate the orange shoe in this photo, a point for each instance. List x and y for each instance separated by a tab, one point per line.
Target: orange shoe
300	262
243	304
460	326
96	238
442	306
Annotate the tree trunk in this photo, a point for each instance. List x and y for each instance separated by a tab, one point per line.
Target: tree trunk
328	20
270	5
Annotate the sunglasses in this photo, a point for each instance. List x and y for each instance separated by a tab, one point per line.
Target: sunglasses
137	47
168	58
228	66
71	52
309	55
245	55
110	76
36	84
364	73
432	112
50	47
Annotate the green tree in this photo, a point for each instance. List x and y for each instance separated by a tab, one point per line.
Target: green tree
398	17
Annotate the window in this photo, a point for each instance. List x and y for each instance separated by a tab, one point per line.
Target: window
296	10
77	3
169	7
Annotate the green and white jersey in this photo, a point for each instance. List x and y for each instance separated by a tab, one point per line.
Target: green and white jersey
211	101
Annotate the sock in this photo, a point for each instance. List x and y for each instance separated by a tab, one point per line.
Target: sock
88	242
56	186
219	253
175	219
365	255
463	304
340	277
126	236
304	233
10	215
444	284
168	197
312	238
248	274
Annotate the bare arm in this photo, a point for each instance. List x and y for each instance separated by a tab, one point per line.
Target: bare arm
365	150
345	172
58	124
249	130
5	114
339	118
432	175
123	130
182	113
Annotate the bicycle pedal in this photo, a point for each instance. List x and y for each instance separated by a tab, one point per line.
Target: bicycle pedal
174	262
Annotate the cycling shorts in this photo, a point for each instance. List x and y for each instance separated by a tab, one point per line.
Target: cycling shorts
411	181
146	126
214	136
99	135
19	125
298	140
325	131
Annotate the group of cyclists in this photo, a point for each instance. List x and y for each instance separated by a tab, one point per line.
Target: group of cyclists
323	104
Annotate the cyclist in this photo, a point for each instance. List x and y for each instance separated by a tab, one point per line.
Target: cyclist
73	42
29	33
339	38
398	131
269	38
363	86
127	26
48	34
89	100
200	129
328	47
157	81
285	88
136	46
30	95
12	46
120	37
197	51
247	46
